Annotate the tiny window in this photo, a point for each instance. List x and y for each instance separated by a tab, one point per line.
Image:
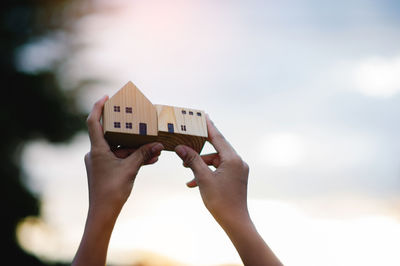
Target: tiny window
128	125
198	114
190	112
117	108
128	110
183	127
117	124
183	112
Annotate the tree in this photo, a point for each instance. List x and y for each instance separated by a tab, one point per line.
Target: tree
33	106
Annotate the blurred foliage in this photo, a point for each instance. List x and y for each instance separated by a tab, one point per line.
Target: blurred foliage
33	106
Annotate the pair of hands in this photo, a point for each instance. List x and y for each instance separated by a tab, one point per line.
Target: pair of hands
111	173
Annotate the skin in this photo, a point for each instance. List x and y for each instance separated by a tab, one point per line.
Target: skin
111	175
224	193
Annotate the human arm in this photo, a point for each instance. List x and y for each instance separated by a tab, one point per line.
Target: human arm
224	193
111	174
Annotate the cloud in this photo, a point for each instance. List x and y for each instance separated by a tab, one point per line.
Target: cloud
42	54
181	228
322	148
282	149
286	229
377	76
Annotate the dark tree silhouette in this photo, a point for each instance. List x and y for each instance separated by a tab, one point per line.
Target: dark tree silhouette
32	106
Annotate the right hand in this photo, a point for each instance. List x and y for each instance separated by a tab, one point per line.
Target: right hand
111	173
224	191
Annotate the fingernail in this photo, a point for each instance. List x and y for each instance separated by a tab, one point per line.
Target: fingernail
181	151
157	148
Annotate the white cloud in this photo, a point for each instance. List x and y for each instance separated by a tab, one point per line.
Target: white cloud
154	45
315	147
326	241
41	55
377	76
182	229
282	149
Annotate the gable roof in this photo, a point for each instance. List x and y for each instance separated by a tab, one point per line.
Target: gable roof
142	111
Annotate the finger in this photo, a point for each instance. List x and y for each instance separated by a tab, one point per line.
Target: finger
93	122
144	154
192	160
211	159
217	139
151	161
122	153
192	183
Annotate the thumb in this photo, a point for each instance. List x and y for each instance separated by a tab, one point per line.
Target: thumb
193	160
144	154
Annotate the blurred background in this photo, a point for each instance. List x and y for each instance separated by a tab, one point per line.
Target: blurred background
308	93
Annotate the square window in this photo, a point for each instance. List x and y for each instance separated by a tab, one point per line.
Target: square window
128	110
183	112
190	112
117	108
128	125
117	124
198	114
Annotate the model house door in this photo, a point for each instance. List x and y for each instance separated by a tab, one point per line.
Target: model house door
170	128
142	128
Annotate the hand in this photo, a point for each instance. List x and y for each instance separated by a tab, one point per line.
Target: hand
111	174
224	191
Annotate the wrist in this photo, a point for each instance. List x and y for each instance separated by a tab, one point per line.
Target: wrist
103	214
104	209
231	220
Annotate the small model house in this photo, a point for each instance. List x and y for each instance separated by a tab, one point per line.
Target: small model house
131	120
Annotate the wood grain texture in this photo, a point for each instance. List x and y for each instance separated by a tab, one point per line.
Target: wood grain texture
170	141
166	124
186	121
143	111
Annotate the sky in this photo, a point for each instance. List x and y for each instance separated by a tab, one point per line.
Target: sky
306	91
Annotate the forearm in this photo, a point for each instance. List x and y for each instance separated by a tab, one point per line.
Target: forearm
92	250
250	245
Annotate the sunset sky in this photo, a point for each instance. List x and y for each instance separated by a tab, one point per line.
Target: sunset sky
308	93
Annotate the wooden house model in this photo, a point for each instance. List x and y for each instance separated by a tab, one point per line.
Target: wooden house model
131	120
